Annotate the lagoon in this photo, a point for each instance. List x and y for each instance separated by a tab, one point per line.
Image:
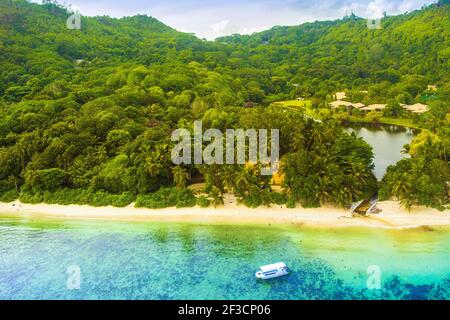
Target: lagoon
142	260
387	142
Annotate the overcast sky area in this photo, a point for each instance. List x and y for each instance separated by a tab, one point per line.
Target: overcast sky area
213	18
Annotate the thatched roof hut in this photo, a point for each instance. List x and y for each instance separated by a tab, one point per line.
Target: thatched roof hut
339	103
374	107
358	105
416	108
340	95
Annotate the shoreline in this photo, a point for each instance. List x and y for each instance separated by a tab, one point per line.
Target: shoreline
363	121
391	217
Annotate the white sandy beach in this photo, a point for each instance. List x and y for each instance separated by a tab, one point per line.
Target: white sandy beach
392	215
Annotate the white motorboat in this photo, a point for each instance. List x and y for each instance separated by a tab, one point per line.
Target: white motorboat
272	271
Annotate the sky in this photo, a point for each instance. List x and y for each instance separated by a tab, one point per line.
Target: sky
214	18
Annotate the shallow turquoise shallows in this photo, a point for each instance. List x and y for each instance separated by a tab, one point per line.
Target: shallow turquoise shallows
119	260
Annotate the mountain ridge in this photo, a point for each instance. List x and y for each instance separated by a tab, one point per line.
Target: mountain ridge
341	54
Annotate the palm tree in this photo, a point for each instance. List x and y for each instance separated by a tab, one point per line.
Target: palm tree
228	176
180	176
343	196
217	197
322	189
21	150
161	151
243	180
100	155
402	188
157	163
152	166
361	175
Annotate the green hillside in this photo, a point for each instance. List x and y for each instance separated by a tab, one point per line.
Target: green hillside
346	54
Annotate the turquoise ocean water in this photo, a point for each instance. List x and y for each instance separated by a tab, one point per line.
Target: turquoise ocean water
140	260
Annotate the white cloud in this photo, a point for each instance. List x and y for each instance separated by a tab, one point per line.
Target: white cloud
214	18
410	5
225	27
220	26
250	30
375	9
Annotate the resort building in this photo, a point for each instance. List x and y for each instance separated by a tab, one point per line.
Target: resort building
374	107
431	87
340	95
416	108
340	103
277	177
358	105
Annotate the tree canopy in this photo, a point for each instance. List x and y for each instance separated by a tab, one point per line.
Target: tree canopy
93	109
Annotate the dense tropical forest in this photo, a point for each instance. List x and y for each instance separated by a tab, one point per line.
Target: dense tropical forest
86	115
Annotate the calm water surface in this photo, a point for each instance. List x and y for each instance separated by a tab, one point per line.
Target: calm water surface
387	142
120	260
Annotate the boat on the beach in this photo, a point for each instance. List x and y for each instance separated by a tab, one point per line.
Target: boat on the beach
274	270
365	207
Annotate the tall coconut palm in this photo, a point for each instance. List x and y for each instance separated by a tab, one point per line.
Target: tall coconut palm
402	188
323	185
343	197
217	196
243	180
180	176
152	166
157	162
228	177
360	174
